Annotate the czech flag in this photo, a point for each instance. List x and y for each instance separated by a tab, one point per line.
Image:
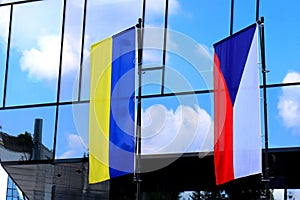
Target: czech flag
237	129
112	107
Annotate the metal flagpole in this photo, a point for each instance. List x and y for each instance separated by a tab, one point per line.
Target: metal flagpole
231	16
137	171
164	47
137	175
266	177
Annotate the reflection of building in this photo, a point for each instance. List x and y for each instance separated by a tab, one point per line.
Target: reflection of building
21	147
62	179
13	192
14	148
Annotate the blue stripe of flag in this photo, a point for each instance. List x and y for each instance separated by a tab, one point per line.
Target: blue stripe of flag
121	147
232	62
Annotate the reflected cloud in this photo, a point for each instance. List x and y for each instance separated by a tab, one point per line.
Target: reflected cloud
289	103
47	56
75	146
186	129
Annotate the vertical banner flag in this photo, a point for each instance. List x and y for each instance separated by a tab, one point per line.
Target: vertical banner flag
237	131
112	107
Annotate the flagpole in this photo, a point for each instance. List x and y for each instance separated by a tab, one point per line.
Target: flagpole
266	177
137	173
164	47
231	17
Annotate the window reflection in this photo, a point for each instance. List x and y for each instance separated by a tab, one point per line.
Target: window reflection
72	134
244	14
4	26
18	147
284	116
199	21
32	80
177	124
27	134
71	51
34	53
26	146
282	38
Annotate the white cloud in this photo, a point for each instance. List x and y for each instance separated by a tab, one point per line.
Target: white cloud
75	146
292	77
289	103
42	63
186	129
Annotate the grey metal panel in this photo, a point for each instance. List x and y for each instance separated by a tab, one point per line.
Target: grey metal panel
56	181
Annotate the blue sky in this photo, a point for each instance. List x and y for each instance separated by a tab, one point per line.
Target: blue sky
194	26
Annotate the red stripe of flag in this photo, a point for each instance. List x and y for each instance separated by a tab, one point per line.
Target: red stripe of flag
223	132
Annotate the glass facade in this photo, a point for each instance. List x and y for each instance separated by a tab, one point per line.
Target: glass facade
13	192
45	69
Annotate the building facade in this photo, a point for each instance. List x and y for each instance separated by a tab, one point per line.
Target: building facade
45	93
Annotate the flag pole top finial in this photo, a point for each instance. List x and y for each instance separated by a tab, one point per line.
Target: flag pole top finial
261	21
139	24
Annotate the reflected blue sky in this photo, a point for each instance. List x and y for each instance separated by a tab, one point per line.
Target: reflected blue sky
34	55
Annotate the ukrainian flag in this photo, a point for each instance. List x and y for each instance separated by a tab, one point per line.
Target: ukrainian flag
112	107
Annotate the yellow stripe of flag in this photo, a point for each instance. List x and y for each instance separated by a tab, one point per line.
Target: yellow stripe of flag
101	58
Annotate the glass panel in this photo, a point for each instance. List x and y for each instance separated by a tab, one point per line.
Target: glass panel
284	116
11	1
85	81
151	82
155	13
72	137
72	51
190	42
153	47
282	39
189	69
177	124
27	134
3	182
103	22
206	22
244	14
293	193
13	191
34	53
4	25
